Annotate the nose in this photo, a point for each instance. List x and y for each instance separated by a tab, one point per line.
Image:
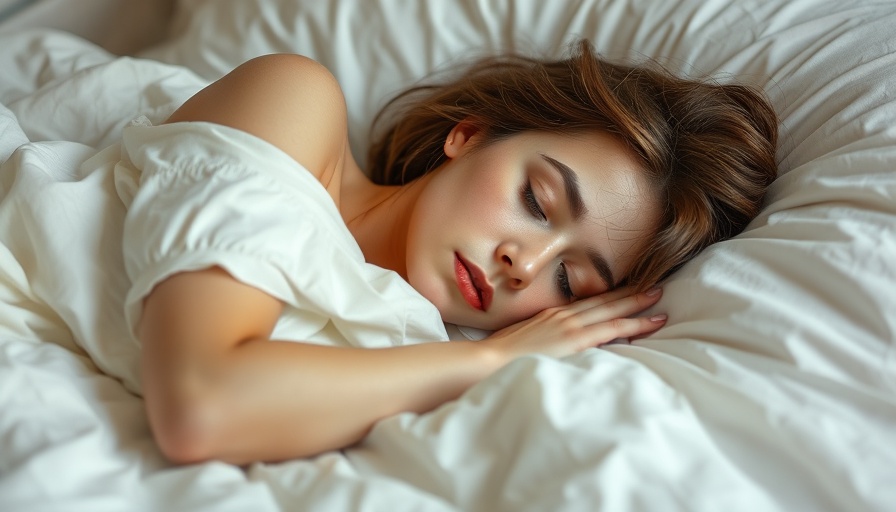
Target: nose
523	261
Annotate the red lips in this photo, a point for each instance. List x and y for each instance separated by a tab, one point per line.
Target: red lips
472	284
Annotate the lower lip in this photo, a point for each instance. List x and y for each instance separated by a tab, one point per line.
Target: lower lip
465	285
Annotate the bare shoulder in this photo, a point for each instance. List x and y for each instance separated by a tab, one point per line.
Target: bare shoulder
288	100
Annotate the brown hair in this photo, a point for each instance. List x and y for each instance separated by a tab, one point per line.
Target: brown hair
708	149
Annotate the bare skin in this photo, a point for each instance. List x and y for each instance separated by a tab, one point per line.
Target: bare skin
217	387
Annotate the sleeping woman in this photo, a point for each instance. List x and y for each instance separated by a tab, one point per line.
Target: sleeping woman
541	201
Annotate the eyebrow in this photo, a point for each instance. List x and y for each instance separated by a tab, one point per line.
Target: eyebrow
571	184
578	209
603	268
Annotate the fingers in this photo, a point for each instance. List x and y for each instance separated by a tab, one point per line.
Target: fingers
612	318
618	307
587	323
625	328
603	298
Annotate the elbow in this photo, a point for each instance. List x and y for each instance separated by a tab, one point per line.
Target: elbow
181	446
186	430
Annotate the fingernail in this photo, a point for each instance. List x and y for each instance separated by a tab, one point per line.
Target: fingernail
658	318
653	292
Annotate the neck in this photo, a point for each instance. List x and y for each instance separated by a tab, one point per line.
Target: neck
378	217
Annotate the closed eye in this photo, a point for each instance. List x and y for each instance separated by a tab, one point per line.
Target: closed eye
563	283
531	202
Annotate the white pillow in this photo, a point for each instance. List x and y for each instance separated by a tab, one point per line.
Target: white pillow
376	48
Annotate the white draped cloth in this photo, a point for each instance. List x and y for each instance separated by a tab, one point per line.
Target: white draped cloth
87	235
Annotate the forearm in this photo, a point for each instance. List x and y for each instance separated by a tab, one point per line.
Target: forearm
216	388
271	400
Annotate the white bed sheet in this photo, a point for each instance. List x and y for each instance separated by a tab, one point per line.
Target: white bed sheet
771	388
120	26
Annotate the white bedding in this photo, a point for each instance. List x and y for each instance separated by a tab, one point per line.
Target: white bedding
771	388
120	26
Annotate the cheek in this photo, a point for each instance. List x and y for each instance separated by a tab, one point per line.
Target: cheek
491	210
482	197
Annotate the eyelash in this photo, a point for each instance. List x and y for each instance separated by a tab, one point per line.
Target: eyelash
563	283
531	202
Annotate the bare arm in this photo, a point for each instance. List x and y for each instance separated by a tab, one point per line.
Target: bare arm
217	388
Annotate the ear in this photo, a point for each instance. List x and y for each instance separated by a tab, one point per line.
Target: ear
459	137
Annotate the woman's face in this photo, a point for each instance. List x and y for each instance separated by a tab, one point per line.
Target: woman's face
523	224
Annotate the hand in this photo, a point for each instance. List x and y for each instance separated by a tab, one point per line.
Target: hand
571	328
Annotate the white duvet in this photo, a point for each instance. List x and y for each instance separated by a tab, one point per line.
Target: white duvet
771	388
86	237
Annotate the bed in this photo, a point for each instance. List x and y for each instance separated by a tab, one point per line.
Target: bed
772	387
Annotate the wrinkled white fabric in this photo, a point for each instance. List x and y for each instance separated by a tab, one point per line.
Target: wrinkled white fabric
200	194
189	196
